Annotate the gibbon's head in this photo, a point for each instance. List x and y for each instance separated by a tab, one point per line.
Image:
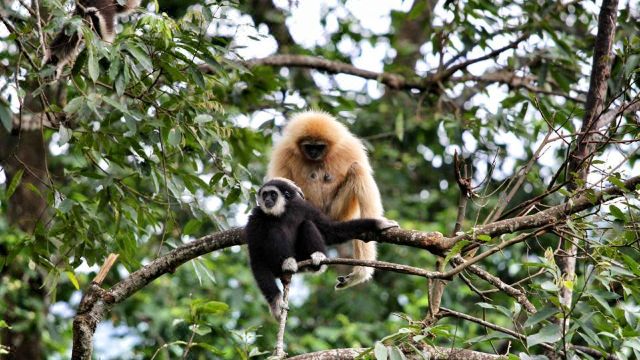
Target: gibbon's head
315	134
275	193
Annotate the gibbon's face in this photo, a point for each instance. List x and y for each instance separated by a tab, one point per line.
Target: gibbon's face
274	195
313	149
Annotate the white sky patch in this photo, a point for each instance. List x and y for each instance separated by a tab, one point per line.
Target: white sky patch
248	41
84	268
304	23
350	82
469	141
3	175
115	342
371	56
299	291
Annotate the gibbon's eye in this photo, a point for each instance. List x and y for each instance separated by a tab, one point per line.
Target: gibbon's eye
274	195
287	195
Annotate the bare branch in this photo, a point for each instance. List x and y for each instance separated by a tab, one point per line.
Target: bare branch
335	67
461	66
282	324
104	270
520	297
380	265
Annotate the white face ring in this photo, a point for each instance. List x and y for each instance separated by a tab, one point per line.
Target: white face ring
278	208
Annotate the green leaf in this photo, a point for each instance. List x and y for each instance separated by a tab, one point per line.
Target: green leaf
75	105
73	279
6	117
15	181
400	125
203	118
210	348
210	307
455	250
617	182
65	135
93	66
549	334
175	136
380	351
617	213
233	196
396	354
201	329
192	226
141	57
3	324
483	237
540	316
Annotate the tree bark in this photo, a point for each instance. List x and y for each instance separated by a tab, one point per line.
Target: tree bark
26	208
580	157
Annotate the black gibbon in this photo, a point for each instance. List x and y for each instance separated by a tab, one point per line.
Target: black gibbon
284	228
331	166
101	14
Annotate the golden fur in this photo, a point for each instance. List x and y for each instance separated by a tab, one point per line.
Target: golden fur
341	184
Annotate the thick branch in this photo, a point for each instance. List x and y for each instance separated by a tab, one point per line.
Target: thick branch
429	352
550	216
335	67
97	302
580	158
600	74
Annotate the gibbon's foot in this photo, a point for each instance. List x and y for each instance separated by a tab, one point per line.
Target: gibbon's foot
290	265
348	280
317	257
276	307
386	224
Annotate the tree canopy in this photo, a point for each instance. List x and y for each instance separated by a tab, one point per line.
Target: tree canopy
503	135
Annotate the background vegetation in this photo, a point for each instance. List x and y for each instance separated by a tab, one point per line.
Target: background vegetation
163	136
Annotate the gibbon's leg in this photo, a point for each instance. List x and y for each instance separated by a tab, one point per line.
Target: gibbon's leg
267	283
310	245
358	197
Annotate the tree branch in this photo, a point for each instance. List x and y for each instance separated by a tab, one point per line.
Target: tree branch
429	352
579	160
96	302
335	67
589	351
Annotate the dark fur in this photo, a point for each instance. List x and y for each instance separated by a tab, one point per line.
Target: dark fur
101	14
299	232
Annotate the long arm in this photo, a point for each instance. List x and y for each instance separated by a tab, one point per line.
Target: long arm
266	280
339	232
267	283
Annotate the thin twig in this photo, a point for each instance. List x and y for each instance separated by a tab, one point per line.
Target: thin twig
279	352
104	270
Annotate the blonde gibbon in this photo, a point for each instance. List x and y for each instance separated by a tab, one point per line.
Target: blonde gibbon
331	167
